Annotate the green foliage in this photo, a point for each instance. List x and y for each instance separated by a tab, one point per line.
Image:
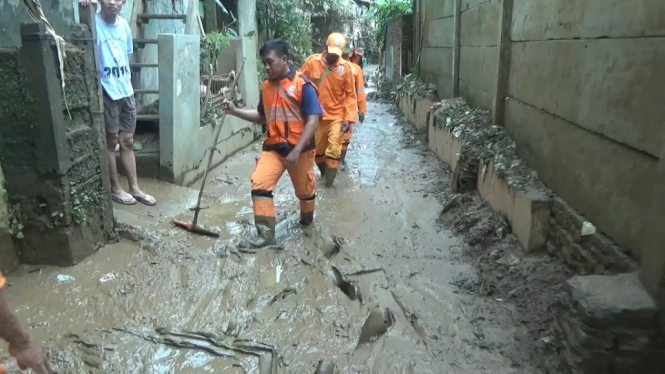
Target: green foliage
213	44
291	20
383	10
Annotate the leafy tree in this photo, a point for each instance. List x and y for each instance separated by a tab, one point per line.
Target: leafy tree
381	11
292	20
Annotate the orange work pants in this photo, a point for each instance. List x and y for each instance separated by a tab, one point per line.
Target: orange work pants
270	168
329	143
346	138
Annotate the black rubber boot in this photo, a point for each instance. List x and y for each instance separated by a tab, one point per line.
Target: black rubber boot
265	233
331	173
306	219
344	157
322	168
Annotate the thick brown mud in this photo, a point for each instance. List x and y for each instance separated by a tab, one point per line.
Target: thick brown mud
373	286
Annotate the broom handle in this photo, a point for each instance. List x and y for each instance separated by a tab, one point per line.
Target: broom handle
214	146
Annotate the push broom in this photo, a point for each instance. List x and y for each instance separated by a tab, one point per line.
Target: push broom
193	226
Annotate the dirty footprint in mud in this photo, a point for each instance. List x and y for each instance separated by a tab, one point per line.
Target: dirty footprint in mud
378	322
351	290
325	367
331	246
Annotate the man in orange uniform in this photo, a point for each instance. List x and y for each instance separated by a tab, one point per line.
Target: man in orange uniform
356	57
28	353
290	106
362	100
337	92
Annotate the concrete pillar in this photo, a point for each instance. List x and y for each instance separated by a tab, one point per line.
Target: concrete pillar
179	104
248	84
652	267
52	157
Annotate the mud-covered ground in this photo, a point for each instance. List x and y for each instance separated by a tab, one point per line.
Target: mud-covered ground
411	288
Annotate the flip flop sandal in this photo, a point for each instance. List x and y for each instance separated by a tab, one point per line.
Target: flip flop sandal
138	146
123	198
146	199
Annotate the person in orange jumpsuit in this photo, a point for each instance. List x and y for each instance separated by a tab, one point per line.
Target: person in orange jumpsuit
337	92
291	108
28	353
359	80
356	57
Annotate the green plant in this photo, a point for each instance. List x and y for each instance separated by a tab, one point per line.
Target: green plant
213	44
381	12
291	20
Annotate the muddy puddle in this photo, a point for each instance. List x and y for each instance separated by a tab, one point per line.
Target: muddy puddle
367	289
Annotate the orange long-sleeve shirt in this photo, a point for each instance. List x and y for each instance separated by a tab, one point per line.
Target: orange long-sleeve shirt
360	88
337	91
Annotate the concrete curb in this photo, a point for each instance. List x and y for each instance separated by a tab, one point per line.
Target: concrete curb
527	211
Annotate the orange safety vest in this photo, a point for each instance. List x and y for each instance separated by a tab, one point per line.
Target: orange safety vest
282	105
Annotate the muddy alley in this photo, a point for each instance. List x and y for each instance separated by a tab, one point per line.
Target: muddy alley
373	286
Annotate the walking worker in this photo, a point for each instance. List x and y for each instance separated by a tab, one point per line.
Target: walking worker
337	92
28	353
356	57
290	106
359	80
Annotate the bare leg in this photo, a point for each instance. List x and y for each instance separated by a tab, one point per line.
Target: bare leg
111	143
129	161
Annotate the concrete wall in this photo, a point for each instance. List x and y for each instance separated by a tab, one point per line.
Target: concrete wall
184	143
478	50
585	104
583	93
150	76
56	174
60	13
436	56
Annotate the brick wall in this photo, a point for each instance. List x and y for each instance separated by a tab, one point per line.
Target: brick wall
55	170
592	254
399	36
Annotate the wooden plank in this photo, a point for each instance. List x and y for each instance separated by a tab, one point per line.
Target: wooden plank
503	66
148	117
457	21
143	65
142	42
146	17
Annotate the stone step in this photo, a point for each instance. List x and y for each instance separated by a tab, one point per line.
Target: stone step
146	17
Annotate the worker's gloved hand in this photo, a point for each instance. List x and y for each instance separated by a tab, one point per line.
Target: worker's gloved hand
229	107
346	126
31	356
361	117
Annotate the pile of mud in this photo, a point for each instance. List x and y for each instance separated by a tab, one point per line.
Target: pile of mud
483	141
532	284
412	85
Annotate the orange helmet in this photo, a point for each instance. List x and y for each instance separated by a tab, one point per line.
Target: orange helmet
336	43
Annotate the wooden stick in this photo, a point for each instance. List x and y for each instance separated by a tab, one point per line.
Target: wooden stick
218	130
208	93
